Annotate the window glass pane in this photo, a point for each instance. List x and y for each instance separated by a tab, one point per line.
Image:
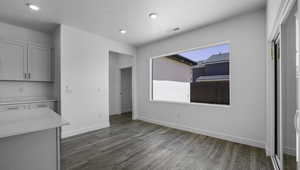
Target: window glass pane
195	76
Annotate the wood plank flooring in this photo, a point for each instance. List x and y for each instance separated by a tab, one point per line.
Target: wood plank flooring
289	162
137	145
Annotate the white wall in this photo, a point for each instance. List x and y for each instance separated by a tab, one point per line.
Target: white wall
164	68
84	79
114	85
171	91
14	89
23	34
116	62
244	120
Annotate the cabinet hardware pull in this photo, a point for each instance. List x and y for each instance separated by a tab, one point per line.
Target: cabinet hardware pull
25	75
28	75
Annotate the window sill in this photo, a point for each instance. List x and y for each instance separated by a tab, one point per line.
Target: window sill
196	104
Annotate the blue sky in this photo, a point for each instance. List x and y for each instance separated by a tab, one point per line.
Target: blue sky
204	53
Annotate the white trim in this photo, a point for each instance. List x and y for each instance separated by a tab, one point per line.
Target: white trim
283	12
281	95
194	48
192	103
133	79
66	134
241	140
269	101
134	89
289	151
151	79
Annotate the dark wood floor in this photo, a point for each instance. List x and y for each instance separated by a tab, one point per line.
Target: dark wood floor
137	145
289	162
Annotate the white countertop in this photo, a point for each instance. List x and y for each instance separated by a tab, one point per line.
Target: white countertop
17	122
25	100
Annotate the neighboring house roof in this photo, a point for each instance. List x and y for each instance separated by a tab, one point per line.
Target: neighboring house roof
217	58
213	78
199	65
182	59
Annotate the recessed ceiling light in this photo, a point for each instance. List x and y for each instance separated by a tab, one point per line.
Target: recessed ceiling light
122	31
153	15
33	7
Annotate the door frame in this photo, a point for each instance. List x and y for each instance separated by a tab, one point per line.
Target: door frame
134	82
277	161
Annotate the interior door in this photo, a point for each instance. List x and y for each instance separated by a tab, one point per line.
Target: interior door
13	60
39	63
278	104
126	90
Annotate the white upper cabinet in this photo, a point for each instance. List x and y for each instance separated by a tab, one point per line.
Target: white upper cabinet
13	60
39	63
25	61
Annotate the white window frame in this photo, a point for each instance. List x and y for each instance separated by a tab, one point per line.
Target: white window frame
186	50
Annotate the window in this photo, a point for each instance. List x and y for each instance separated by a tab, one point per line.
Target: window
196	76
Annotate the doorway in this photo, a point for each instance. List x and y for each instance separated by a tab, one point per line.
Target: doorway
126	90
121	85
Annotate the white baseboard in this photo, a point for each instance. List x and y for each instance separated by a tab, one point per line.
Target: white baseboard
114	114
268	150
66	134
223	136
290	151
286	150
135	117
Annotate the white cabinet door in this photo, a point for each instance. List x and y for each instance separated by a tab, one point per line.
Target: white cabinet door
39	63
13	60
